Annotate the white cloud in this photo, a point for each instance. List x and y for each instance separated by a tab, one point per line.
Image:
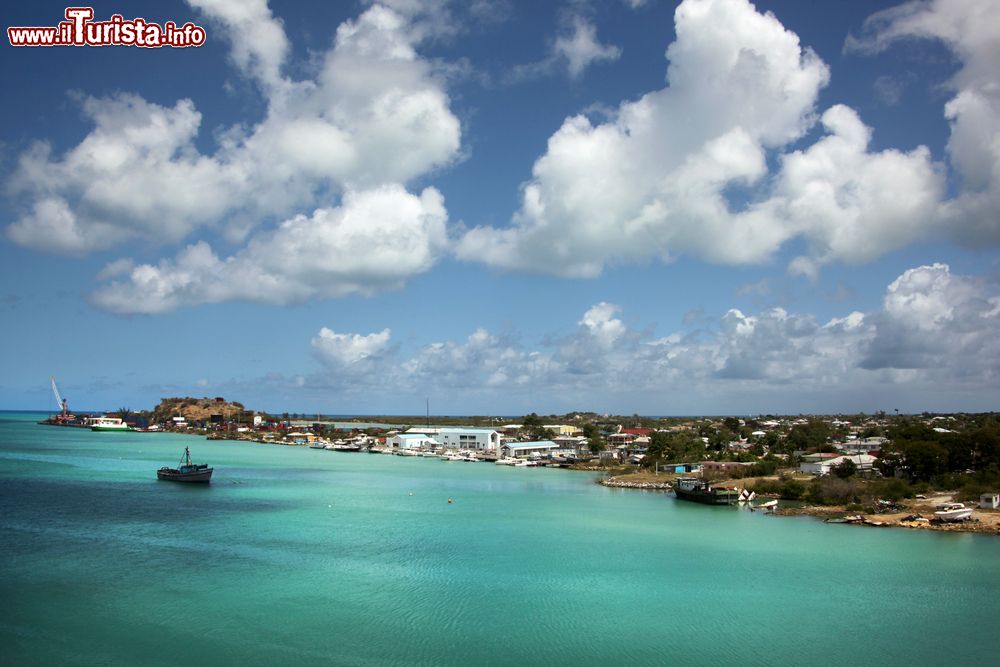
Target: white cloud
376	239
639	187
852	205
581	49
970	29
655	180
136	174
339	351
933	320
602	324
376	115
935	333
257	39
575	48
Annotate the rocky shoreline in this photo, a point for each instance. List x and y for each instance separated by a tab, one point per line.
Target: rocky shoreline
617	482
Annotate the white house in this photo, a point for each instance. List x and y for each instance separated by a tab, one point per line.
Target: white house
821	467
575	444
861	445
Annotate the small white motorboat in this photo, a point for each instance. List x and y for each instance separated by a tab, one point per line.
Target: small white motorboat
951	512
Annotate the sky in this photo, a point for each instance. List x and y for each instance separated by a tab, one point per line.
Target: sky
502	207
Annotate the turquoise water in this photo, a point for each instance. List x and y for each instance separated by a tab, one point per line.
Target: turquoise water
304	556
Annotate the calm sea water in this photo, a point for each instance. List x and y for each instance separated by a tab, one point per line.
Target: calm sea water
299	556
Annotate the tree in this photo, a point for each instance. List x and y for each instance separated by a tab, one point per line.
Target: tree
809	436
533	427
593	436
925	459
845	469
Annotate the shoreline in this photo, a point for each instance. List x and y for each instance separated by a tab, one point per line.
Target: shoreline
982	522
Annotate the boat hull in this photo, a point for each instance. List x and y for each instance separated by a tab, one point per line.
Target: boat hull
174	475
111	429
709	498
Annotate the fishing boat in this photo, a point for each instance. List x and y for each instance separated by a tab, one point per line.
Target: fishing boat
700	491
951	512
186	471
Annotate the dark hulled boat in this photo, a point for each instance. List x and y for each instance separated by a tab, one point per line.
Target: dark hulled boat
186	471
700	491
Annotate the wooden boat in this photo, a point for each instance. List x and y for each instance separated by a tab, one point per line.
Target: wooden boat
700	491
186	471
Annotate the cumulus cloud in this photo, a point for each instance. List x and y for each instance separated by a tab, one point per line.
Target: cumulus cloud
969	28
934	331
656	180
136	174
376	239
933	320
375	115
340	351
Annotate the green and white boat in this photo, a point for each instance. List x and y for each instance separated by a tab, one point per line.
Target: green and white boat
108	424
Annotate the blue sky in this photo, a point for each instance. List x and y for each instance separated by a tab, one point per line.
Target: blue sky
707	207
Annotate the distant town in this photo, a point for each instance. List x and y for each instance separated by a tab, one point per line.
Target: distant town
871	464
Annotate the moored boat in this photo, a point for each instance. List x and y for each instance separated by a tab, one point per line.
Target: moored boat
700	491
186	471
110	424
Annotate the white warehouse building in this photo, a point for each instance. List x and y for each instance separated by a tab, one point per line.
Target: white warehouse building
412	441
462	438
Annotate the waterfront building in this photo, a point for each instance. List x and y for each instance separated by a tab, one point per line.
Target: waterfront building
521	450
412	441
482	439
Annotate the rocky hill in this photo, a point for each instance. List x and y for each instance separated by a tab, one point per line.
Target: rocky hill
196	409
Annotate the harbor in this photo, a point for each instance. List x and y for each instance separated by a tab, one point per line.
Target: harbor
363	555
